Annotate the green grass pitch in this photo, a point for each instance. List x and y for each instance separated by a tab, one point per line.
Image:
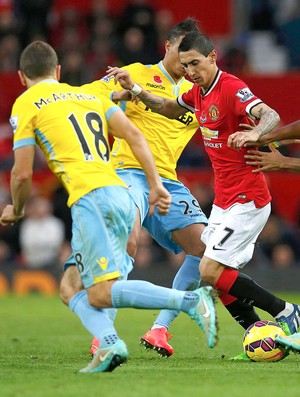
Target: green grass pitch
43	345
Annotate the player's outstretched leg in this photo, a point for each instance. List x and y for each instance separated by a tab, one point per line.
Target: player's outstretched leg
139	294
198	304
205	314
107	359
290	341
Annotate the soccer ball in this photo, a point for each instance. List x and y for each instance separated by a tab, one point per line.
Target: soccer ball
259	341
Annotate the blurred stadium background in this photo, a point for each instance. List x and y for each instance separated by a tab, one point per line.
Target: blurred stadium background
258	40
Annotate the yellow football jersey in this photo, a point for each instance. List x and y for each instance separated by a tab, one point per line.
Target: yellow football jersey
69	124
167	138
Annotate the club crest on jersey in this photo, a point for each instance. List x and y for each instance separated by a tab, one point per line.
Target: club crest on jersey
157	79
106	79
213	112
244	94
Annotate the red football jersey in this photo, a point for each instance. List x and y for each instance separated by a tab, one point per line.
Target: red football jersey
219	111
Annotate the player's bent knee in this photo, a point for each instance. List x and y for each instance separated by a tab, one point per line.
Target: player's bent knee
196	250
63	295
67	291
131	248
70	284
199	252
210	270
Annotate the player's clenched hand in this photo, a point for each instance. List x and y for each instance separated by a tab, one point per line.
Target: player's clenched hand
8	217
125	95
267	161
120	75
160	198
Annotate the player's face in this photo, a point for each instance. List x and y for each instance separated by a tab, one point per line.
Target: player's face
172	60
201	69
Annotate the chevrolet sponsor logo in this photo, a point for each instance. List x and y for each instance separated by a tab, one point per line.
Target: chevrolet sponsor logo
209	134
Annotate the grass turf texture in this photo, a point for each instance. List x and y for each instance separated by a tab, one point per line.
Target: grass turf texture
43	345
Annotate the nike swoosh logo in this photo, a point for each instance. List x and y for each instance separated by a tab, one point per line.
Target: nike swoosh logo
218	249
207	311
102	358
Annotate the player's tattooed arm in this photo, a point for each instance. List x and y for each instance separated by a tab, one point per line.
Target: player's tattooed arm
155	103
166	107
268	119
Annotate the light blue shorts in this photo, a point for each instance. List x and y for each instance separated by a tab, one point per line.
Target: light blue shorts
102	222
184	211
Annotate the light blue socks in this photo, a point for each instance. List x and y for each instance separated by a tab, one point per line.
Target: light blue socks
96	321
144	295
187	279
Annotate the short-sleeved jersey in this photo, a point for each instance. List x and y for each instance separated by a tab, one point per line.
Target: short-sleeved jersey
219	111
166	138
69	124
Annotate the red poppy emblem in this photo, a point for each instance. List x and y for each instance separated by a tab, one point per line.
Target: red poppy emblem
157	79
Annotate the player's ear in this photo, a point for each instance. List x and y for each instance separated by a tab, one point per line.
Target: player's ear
167	45
22	78
213	56
57	71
